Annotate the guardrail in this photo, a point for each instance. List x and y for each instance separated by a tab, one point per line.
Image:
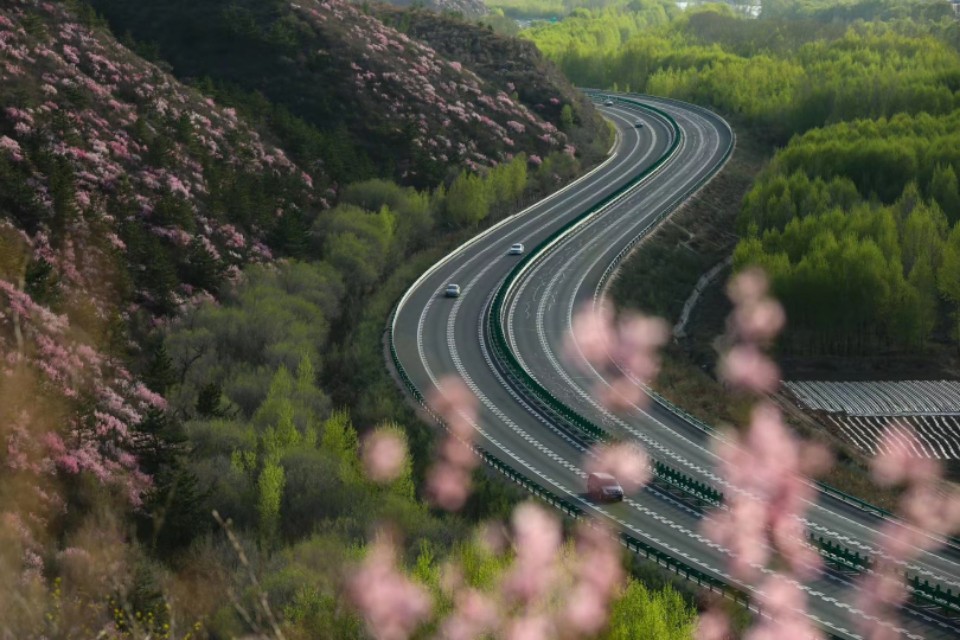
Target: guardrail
701	491
569	508
828	489
839	555
508	362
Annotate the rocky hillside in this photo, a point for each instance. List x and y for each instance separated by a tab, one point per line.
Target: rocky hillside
410	109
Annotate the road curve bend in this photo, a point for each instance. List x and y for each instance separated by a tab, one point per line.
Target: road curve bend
650	171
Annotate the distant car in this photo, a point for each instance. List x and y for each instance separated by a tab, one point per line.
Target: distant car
452	291
603	487
515	249
638	124
609	103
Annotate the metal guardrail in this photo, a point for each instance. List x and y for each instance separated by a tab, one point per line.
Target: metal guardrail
828	489
569	508
572	510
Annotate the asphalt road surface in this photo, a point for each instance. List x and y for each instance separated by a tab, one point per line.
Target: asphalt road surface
435	337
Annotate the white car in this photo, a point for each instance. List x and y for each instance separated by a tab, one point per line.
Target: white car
608	103
452	291
638	124
515	249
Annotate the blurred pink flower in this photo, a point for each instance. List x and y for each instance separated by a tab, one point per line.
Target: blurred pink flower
448	481
474	615
448	486
898	463
536	540
747	367
626	351
626	462
713	625
533	627
770	494
392	606
384	454
747	287
783	612
456	405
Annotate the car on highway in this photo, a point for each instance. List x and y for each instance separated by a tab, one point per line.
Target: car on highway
608	103
515	249
638	124
603	487
452	291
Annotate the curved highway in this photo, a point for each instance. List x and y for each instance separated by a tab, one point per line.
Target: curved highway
436	337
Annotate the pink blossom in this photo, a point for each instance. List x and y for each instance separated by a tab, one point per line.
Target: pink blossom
747	367
392	606
11	145
384	455
626	462
536	539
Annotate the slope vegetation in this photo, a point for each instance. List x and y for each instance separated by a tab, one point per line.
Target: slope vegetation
399	106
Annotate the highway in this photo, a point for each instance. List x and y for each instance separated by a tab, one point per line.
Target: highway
434	337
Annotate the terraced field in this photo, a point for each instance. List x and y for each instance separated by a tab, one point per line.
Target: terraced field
862	412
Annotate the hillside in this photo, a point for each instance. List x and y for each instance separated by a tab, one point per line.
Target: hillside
186	292
121	192
465	8
409	109
512	64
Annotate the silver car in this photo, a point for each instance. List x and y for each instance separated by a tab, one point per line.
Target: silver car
452	291
515	249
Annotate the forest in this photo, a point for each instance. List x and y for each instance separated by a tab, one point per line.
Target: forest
855	215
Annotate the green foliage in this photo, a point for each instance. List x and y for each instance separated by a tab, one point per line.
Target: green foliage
412	209
276	317
781	75
948	275
358	243
854	249
339	439
270	489
467	202
945	190
640	614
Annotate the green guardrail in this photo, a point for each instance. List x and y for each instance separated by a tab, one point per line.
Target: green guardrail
699	490
840	556
925	593
631	542
828	489
539	395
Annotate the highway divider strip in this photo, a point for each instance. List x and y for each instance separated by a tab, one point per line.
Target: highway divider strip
572	510
539	395
830	490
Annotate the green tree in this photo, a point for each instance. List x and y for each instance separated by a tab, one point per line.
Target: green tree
948	276
640	614
270	493
566	118
339	439
945	190
467	202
